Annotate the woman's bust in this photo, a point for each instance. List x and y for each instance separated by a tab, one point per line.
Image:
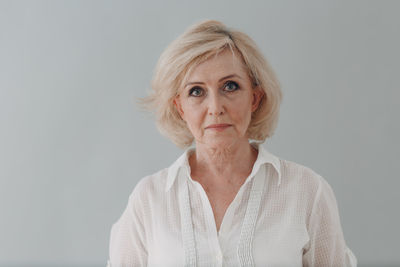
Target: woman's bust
226	201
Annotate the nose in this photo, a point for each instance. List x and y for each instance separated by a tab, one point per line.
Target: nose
216	106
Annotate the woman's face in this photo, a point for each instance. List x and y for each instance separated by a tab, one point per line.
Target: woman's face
217	101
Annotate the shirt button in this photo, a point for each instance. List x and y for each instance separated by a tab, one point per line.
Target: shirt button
219	257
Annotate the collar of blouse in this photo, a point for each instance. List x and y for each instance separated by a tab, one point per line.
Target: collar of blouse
264	157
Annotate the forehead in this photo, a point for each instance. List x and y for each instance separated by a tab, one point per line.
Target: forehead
225	63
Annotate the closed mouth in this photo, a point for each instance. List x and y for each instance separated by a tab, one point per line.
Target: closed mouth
218	126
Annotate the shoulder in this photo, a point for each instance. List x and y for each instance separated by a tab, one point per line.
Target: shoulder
304	178
307	188
150	185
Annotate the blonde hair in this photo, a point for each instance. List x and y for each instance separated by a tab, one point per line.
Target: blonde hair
193	47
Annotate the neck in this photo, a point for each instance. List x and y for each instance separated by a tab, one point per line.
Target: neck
221	165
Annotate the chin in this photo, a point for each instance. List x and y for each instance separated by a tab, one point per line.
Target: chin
220	143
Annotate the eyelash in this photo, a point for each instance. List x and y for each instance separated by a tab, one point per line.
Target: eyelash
225	85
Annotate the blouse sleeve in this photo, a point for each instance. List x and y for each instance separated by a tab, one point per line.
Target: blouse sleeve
326	246
128	240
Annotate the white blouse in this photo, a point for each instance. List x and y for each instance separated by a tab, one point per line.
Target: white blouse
283	215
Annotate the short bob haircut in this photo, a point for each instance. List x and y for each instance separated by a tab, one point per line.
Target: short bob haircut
194	46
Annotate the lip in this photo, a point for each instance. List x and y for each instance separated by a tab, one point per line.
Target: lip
219	126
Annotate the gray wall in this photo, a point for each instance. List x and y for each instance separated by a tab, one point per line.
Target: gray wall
73	143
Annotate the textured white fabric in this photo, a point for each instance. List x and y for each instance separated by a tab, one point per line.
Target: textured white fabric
283	215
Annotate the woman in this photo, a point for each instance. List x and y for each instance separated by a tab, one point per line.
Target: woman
227	201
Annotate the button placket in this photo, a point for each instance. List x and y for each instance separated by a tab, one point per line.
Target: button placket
213	235
219	258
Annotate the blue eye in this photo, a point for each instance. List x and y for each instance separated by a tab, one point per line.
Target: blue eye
231	86
196	91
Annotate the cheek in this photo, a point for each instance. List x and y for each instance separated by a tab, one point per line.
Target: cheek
193	116
241	112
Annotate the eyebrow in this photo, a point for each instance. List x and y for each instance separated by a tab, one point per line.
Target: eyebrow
223	78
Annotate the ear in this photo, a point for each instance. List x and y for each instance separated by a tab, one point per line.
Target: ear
178	106
258	94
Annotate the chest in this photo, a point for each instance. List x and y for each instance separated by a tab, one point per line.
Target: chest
220	199
276	239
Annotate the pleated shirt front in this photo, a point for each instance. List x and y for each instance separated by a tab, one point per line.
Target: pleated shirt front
284	214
